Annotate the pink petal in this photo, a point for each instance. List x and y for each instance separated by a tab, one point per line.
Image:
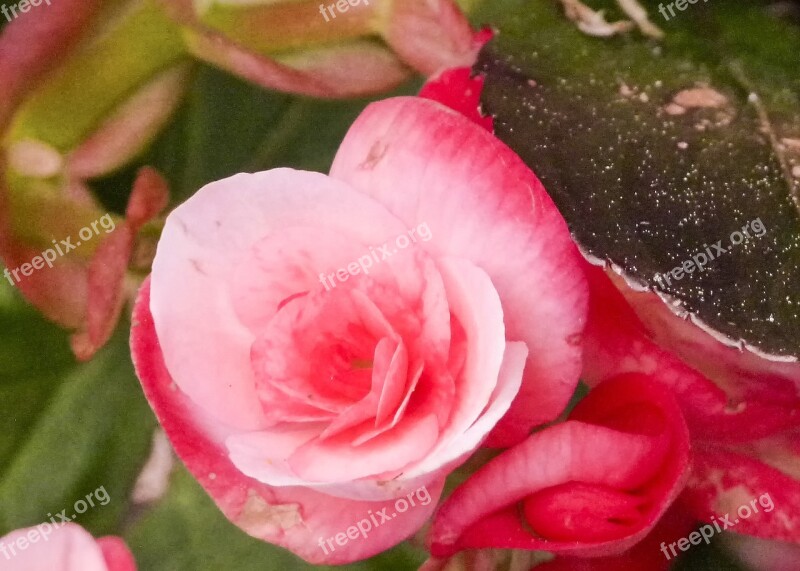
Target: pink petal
338	460
328	74
66	548
476	306
481	203
116	553
204	243
431	35
294	517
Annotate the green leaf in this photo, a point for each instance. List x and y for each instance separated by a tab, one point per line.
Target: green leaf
647	184
89	431
33	356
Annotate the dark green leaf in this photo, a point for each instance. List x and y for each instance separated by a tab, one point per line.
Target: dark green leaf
648	188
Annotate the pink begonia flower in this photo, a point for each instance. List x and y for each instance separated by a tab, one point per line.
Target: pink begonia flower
66	548
302	408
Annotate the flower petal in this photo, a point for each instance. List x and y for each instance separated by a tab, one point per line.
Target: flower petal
616	342
427	163
296	518
204	242
67	548
627	436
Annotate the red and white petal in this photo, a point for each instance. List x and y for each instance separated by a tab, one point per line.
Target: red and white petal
616	342
429	164
723	482
742	373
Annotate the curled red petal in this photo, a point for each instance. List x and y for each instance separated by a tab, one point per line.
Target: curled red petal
624	451
647	555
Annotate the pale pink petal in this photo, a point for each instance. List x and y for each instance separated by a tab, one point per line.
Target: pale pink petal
67	548
488	375
337	460
451	453
203	243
